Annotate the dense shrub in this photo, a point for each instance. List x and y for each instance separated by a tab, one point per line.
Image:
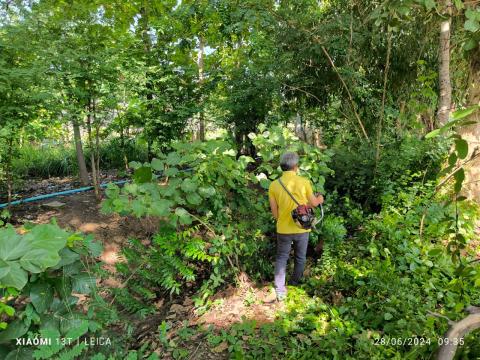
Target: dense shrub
206	186
370	295
402	162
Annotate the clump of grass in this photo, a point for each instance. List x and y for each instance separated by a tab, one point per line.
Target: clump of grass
59	160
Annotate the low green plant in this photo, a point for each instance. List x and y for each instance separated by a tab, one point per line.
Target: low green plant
43	264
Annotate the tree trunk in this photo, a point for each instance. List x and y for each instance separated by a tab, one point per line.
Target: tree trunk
8	169
200	62
471	133
445	86
96	123
147	47
93	164
82	166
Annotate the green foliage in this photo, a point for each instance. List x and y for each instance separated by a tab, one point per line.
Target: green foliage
271	143
45	266
172	261
403	162
52	160
355	305
206	186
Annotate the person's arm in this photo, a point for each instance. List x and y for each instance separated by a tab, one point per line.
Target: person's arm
274	207
313	199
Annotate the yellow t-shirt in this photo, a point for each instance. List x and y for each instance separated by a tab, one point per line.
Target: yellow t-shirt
301	189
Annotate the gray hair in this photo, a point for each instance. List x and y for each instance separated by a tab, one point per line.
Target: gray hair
288	161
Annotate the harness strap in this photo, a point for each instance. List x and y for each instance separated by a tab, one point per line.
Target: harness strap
288	192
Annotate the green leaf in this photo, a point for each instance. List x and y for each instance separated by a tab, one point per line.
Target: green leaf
471	25
41	295
171	171
12	245
461	146
435	252
16	329
159	208
183	216
157	165
83	283
142	175
206	191
47	237
459	4
432	134
430	4
188	185
138	208
459	177
470	44
463	113
452	159
173	158
39	260
16	277
4	268
194	199
94	247
387	316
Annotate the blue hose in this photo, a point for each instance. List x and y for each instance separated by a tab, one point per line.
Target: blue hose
61	193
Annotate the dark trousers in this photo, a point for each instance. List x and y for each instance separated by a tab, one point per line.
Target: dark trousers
284	244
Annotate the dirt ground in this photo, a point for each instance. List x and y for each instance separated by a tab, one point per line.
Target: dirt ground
82	213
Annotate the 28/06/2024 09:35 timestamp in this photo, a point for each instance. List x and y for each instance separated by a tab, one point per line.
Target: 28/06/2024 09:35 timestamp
416	341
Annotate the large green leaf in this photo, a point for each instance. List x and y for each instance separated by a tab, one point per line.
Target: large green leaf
41	295
157	164
12	245
67	257
173	158
14	330
188	185
194	199
49	237
39	260
16	277
95	247
472	25
160	208
183	216
4	268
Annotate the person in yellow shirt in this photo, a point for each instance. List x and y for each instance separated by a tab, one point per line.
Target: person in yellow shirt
288	231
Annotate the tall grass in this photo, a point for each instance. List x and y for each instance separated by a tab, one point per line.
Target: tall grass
44	161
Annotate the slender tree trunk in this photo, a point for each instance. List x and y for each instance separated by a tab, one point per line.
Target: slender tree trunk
8	169
147	46
96	123
200	62
82	166
92	151
471	133
445	98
